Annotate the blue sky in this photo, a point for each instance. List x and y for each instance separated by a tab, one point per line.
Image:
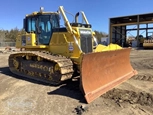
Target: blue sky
98	12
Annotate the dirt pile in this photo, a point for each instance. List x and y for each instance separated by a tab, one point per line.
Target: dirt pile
120	96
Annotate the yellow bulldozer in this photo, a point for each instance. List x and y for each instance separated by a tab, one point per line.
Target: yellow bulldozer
53	54
148	42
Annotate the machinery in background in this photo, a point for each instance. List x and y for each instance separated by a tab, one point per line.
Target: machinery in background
148	42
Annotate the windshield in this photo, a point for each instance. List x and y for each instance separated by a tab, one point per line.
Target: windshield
42	25
45	28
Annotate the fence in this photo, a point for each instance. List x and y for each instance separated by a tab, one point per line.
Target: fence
5	44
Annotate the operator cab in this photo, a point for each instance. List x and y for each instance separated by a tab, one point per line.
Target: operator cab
42	24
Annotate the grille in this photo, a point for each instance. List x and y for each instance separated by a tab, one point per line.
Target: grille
86	40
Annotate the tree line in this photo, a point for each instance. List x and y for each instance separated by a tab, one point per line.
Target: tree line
10	35
99	35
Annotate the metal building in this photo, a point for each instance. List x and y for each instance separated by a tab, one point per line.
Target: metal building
118	27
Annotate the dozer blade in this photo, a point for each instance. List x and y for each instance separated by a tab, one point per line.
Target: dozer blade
102	71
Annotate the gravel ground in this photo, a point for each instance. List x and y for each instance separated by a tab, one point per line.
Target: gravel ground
21	96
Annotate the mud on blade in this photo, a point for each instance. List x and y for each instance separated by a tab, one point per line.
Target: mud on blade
102	71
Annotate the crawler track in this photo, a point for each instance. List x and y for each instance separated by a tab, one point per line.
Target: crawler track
41	66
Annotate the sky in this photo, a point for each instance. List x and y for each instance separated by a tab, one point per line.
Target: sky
97	12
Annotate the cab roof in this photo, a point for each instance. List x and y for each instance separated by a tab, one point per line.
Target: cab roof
41	13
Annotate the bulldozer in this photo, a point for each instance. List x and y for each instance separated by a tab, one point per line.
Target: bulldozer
53	54
148	42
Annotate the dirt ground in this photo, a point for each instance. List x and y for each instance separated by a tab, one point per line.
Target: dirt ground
27	97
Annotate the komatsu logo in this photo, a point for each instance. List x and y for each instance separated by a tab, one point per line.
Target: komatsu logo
85	32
